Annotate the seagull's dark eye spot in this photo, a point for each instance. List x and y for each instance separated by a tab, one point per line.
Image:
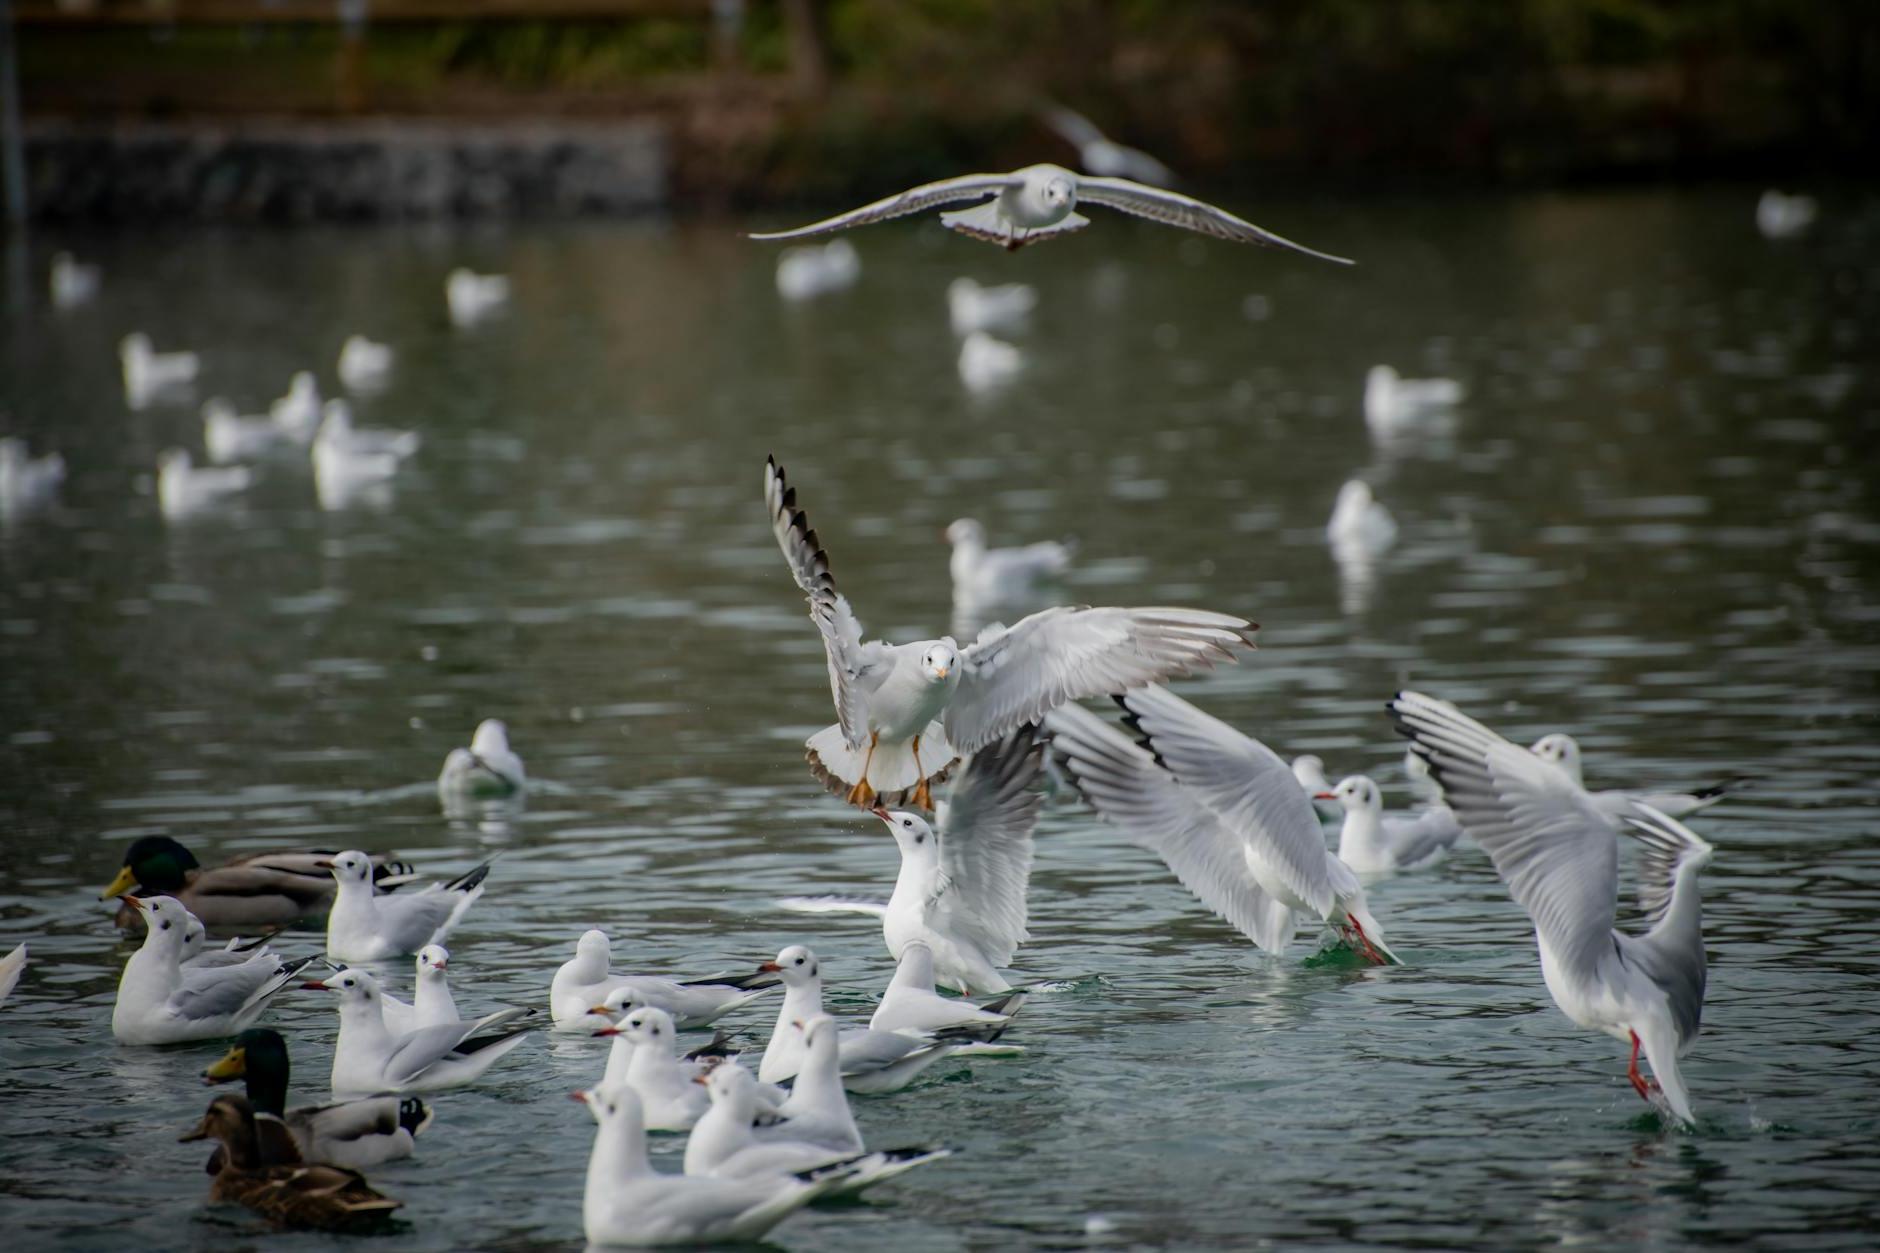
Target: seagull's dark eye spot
799	961
166	926
908	823
920	839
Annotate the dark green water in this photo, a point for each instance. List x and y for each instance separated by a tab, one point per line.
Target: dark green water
1654	524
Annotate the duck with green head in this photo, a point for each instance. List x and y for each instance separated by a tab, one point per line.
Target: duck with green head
259	890
353	1134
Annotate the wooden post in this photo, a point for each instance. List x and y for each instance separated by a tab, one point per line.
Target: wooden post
349	61
809	58
12	140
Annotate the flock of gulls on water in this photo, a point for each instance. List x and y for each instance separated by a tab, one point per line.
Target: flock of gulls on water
992	723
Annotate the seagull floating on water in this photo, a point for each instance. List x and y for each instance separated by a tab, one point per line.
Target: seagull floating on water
229	436
258	890
73	283
27	482
370	1059
183	488
487	768
1782	216
364	365
365	925
1101	155
1309	769
911	1002
472	297
1392	401
988	576
905	711
1038	202
431	1003
1359	522
149	373
670	1091
297	414
583	982
1564	751
986	362
159	1001
352	1134
1559	856
815	269
1374	843
972	306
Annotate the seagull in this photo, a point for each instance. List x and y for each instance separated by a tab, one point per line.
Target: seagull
364	365
1309	769
724	1146
912	1004
338	432
297	414
896	702
73	283
1782	216
1559	856
627	1202
231	437
11	967
149	373
486	768
870	1060
472	297
1223	811
182	489
1564	751
984	575
812	270
584	982
1392	401
365	925
432	1004
986	362
972	306
621	1002
1374	843
258	890
160	1002
1099	155
198	954
1359	524
27	482
961	889
353	464
369	1058
1037	202
671	1097
352	1134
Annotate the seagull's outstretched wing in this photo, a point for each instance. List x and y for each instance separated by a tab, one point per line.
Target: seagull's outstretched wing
1014	676
1122	782
852	664
1171	208
1250	789
914	200
1557	854
984	829
833	905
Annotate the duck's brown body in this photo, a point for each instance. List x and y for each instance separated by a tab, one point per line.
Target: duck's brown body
291	1193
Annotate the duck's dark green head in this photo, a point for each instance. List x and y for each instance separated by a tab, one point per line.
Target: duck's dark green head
156	864
258	1055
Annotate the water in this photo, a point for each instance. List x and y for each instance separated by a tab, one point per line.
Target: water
1654	523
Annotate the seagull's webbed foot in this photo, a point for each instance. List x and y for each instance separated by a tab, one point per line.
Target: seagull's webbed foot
923	792
862	795
1645	1087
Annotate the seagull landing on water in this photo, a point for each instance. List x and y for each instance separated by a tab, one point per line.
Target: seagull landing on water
1039	202
904	711
1559	856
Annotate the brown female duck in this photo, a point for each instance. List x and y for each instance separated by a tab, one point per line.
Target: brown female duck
292	1194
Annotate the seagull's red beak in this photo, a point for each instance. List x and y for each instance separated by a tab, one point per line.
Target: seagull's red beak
1324	796
881	811
607	1031
578	1096
769	968
133	901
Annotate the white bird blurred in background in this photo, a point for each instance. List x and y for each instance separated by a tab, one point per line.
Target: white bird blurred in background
73	283
364	365
183	489
149	374
814	269
27	482
472	297
1781	216
987	363
297	414
1390	400
230	436
972	306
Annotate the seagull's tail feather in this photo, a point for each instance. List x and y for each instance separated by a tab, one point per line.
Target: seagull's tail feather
869	1169
972	1032
891	769
1709	796
470	879
1009	1004
744	983
722	1045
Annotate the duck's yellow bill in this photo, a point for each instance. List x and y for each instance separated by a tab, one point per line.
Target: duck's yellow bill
233	1066
125	881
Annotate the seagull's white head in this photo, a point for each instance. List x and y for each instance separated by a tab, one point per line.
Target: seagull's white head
433	961
355	987
731	1082
1355	496
819	1030
195	935
648	1025
336	418
940	660
1309	769
351	867
1059	191
613	1103
165	920
1357	794
911	833
1561	749
796	964
136	344
173	461
966	531
491	737
592	944
618	1002
302	384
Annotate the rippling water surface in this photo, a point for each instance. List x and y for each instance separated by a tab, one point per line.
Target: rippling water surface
1653	522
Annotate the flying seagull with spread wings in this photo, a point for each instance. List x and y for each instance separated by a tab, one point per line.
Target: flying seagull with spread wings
905	711
1040	201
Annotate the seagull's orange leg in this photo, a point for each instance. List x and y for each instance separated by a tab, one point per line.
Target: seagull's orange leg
1365	946
862	794
923	795
1645	1086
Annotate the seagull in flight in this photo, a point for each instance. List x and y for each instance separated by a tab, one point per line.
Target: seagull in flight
1039	202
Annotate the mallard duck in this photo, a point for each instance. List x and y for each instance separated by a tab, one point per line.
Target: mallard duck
292	1194
260	890
353	1134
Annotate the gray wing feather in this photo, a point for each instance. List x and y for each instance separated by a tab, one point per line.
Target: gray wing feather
1122	782
212	991
1249	788
862	1051
914	200
984	828
1555	851
1012	676
855	668
832	905
424	1048
1171	208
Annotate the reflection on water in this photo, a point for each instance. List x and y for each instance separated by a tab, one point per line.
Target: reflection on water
1651	521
